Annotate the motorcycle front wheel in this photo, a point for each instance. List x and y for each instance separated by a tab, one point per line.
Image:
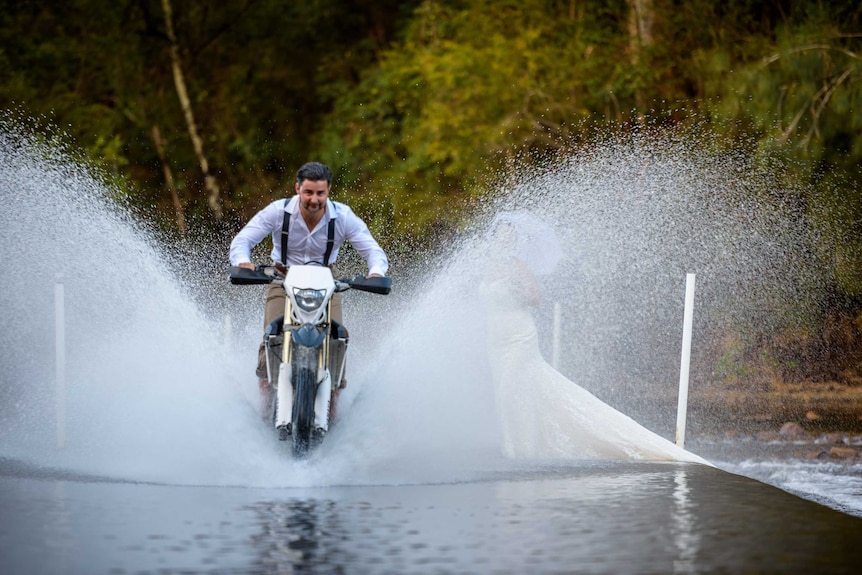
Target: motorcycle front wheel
303	410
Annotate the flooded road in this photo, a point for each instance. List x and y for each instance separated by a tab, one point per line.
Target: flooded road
588	517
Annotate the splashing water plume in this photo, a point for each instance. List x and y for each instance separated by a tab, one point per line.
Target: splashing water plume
160	390
638	211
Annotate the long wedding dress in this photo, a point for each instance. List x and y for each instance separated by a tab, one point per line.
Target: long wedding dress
544	415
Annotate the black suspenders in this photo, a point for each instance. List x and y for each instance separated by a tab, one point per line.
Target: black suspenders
330	237
330	241
285	228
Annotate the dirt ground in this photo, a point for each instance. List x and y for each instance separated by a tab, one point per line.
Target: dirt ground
816	407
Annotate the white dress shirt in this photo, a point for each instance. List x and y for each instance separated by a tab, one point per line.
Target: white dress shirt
306	246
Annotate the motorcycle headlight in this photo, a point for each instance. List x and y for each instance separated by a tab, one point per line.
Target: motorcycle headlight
309	299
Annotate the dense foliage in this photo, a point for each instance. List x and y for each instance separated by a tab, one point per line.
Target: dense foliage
415	103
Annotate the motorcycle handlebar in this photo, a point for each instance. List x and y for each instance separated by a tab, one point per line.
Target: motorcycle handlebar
245	276
380	285
268	274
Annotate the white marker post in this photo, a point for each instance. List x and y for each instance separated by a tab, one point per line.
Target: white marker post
60	367
682	405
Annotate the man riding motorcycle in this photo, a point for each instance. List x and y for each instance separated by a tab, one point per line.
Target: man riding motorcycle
308	228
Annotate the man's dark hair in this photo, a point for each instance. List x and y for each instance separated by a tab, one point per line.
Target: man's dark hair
314	171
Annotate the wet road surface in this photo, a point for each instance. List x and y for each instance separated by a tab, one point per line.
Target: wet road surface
575	518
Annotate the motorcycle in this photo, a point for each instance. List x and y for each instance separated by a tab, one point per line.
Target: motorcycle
305	348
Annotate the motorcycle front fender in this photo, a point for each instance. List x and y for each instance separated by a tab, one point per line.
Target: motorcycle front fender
308	336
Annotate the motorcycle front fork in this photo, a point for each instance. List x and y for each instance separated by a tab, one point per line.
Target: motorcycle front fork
284	403
324	397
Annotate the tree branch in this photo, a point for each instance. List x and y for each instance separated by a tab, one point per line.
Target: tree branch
179	81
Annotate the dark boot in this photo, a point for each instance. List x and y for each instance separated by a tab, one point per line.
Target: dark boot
337	363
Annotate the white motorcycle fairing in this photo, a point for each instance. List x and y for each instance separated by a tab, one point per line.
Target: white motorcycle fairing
302	346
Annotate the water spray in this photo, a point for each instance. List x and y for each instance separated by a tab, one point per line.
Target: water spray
141	371
557	335
60	339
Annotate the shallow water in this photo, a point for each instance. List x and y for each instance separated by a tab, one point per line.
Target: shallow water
586	518
794	466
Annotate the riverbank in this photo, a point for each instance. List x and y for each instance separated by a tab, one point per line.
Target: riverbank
817	408
810	421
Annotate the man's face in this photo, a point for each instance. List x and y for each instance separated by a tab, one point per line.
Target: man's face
312	196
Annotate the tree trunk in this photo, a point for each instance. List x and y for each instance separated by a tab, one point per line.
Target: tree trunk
641	21
179	81
169	181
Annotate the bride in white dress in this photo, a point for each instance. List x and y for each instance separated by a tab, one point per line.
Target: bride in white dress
544	415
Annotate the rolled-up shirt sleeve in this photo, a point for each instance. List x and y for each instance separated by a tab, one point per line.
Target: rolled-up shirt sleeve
359	236
264	223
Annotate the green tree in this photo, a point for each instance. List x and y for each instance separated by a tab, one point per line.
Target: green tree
471	87
798	92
